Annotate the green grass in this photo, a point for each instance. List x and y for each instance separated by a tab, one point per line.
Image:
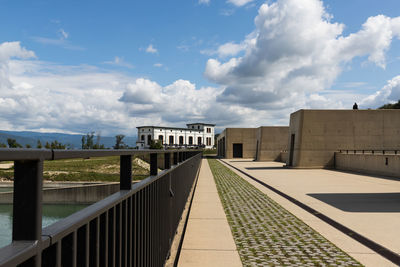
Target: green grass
209	151
97	169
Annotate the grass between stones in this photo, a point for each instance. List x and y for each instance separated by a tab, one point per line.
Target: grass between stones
265	233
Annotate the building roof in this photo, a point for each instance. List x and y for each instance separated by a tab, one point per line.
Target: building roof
200	123
162	127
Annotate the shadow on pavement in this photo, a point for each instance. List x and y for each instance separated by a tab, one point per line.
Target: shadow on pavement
361	202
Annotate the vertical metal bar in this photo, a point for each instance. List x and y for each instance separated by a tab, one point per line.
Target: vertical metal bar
175	158
129	234
167	161
27	205
124	233
58	254
75	248
87	244
153	164
125	172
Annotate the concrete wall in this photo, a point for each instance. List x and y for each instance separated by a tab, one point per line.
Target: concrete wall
271	142
369	163
86	194
245	136
320	133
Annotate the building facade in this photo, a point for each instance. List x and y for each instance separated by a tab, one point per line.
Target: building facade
264	143
315	135
195	135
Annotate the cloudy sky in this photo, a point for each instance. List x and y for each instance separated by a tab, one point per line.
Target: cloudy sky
110	66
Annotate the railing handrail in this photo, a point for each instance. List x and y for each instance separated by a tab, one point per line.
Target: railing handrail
369	151
10	154
28	171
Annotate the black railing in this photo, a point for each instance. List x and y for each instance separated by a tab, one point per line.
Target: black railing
371	151
133	227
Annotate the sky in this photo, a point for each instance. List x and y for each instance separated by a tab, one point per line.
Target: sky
111	66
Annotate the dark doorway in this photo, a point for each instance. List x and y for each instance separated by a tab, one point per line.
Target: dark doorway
238	150
190	140
171	140
149	139
181	140
199	141
161	138
291	150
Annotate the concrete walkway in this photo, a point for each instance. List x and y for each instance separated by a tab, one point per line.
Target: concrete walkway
208	239
366	204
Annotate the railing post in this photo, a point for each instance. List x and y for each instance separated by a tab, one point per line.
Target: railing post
27	206
175	158
167	161
153	164
125	173
180	157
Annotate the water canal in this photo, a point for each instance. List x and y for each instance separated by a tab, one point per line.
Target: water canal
51	214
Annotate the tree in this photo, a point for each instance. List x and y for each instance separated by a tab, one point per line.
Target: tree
3	145
391	106
47	145
28	146
88	143
56	145
12	143
156	144
39	144
119	144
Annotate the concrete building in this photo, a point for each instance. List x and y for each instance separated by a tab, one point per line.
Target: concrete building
195	135
315	135
271	142
263	143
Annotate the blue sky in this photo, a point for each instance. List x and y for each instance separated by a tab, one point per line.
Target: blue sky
79	66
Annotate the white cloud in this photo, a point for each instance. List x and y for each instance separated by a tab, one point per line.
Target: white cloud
119	61
294	54
37	95
64	34
158	65
239	2
390	93
206	2
151	49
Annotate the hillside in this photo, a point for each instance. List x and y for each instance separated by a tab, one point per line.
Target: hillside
74	140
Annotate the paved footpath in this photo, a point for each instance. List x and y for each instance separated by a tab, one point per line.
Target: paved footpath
208	239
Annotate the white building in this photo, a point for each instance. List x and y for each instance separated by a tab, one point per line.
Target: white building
195	135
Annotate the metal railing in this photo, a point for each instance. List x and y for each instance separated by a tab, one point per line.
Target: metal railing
371	151
133	227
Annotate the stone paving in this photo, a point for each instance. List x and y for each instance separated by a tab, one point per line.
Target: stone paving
265	233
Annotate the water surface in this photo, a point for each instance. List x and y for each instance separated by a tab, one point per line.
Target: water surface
51	214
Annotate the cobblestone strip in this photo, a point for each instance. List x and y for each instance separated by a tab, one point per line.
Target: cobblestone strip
265	233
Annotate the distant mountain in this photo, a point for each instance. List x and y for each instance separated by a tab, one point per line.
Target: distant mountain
73	140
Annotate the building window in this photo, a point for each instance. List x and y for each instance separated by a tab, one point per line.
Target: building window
171	140
192	127
160	137
142	138
198	127
149	139
199	140
149	130
142	130
180	140
208	141
190	140
208	130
